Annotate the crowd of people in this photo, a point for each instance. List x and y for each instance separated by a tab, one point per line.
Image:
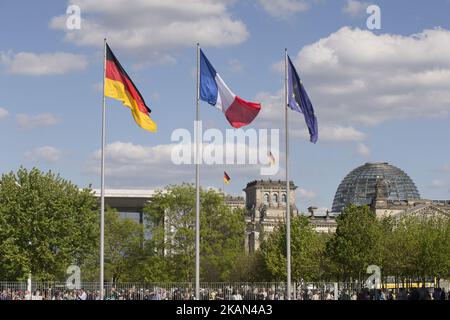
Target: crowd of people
227	293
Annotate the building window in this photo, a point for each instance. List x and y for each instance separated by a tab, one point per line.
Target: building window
283	198
275	198
266	198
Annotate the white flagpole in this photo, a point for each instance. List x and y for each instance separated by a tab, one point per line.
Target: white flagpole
197	184
102	201
288	189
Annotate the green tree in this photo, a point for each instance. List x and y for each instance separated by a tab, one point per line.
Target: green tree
124	240
171	223
250	268
356	244
46	224
431	257
417	247
306	251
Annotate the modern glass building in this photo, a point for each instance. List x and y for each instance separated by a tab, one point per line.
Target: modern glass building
359	186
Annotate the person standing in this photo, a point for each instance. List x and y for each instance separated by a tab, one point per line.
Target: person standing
443	297
28	295
82	295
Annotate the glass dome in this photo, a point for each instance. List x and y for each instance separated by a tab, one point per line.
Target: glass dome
359	186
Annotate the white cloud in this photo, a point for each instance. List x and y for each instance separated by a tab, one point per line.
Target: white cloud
305	194
3	113
445	168
134	165
355	8
338	133
47	154
363	150
26	121
272	115
283	8
333	133
272	104
354	76
152	29
437	184
34	64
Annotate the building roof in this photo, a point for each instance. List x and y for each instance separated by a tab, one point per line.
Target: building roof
270	183
359	187
125	193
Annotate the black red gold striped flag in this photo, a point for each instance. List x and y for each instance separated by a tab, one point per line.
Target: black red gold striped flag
226	178
271	158
119	86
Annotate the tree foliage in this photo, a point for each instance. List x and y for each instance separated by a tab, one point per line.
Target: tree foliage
46	224
306	251
409	248
124	240
171	223
356	243
418	247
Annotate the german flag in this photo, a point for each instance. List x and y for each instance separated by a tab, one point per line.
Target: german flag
119	86
226	178
271	159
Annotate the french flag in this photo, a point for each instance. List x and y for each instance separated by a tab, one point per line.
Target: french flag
214	91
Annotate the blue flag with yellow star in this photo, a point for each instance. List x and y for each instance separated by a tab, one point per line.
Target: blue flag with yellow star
298	100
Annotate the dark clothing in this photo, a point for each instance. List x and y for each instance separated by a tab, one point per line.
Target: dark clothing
424	294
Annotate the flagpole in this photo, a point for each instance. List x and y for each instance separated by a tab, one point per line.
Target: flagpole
102	199
288	189
197	184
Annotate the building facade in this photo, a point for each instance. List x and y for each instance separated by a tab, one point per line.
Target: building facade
384	207
129	203
388	190
322	223
359	186
266	202
235	202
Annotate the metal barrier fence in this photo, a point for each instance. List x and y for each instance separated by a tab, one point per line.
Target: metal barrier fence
168	291
186	291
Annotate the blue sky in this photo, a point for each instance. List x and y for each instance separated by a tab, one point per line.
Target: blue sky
379	95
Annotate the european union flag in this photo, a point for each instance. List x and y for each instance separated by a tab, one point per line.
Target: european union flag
298	100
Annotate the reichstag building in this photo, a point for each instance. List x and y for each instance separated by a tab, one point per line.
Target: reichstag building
360	186
388	190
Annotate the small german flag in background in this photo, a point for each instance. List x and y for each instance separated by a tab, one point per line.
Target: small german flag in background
271	158
119	86
226	178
